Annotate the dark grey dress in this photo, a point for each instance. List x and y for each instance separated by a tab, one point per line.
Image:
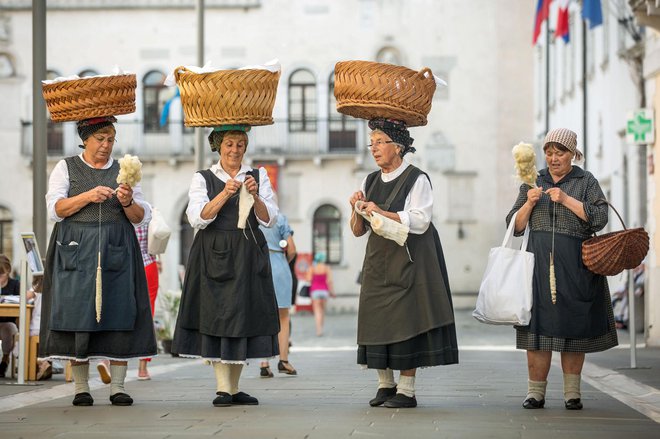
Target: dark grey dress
69	328
405	316
582	320
228	309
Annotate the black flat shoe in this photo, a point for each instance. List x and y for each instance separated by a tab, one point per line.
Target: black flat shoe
282	368
532	403
223	399
266	372
401	401
242	398
382	395
83	399
573	404
121	399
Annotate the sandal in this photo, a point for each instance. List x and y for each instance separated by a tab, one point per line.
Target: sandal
266	372
284	367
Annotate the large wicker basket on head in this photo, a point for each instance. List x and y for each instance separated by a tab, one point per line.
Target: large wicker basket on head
227	96
611	253
371	90
85	98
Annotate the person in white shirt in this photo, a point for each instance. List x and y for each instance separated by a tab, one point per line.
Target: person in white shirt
405	286
228	311
94	232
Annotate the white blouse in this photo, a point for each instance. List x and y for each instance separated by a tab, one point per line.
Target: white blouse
198	195
58	188
418	209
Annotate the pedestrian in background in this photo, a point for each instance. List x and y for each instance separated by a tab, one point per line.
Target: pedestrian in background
405	316
8	329
562	213
282	250
151	270
319	276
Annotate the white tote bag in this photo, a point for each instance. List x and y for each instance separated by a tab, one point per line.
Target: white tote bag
505	294
158	234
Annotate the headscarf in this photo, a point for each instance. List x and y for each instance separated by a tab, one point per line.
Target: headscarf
218	133
397	131
319	257
564	137
87	127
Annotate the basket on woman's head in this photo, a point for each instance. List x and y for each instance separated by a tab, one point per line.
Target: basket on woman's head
371	90
86	98
227	96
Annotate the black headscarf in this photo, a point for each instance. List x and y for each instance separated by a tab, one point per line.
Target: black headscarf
397	131
87	127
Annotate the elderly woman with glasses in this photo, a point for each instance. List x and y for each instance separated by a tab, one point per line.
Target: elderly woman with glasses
94	218
405	286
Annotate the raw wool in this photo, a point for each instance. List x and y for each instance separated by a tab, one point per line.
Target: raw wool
385	227
130	170
553	280
245	202
525	158
99	291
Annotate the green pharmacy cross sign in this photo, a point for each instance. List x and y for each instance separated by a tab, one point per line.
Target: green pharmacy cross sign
639	127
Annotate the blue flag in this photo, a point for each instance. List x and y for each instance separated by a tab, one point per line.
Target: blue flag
166	108
592	12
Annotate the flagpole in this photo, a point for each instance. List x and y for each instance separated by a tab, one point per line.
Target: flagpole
585	131
199	132
547	75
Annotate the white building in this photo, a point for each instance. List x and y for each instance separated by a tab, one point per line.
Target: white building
482	48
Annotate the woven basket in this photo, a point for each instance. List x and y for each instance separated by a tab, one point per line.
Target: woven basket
370	90
227	96
85	98
611	253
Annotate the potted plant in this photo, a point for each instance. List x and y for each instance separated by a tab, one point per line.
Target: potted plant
169	305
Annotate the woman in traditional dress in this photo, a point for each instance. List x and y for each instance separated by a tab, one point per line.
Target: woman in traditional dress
561	213
406	287
92	215
228	310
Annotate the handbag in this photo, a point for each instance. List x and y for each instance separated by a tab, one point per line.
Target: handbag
158	234
613	252
505	294
304	291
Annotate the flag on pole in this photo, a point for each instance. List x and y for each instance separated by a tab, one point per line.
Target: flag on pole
592	12
562	29
542	14
166	108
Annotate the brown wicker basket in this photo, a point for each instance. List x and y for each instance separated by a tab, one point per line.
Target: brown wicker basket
611	253
370	90
227	96
85	98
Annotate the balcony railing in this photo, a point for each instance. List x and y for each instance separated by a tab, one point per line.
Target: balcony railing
177	142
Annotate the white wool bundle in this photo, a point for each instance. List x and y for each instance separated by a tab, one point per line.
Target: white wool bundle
130	170
245	202
384	226
525	158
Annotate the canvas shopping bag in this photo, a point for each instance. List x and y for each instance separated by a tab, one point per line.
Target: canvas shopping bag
158	234
505	294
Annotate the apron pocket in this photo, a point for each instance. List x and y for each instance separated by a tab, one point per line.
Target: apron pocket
219	266
115	258
67	256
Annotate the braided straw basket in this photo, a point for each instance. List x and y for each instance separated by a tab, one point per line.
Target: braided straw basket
227	96
611	253
85	98
370	90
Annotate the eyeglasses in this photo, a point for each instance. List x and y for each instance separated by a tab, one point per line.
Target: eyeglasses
108	140
379	143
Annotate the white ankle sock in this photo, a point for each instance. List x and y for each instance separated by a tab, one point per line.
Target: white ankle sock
536	389
572	386
222	376
406	386
385	378
234	375
80	377
117	376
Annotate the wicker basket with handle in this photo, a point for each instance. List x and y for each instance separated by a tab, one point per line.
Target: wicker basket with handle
84	98
613	252
227	96
370	90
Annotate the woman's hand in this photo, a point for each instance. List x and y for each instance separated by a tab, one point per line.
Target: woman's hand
231	187
124	194
99	194
556	195
357	196
369	207
534	195
251	185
